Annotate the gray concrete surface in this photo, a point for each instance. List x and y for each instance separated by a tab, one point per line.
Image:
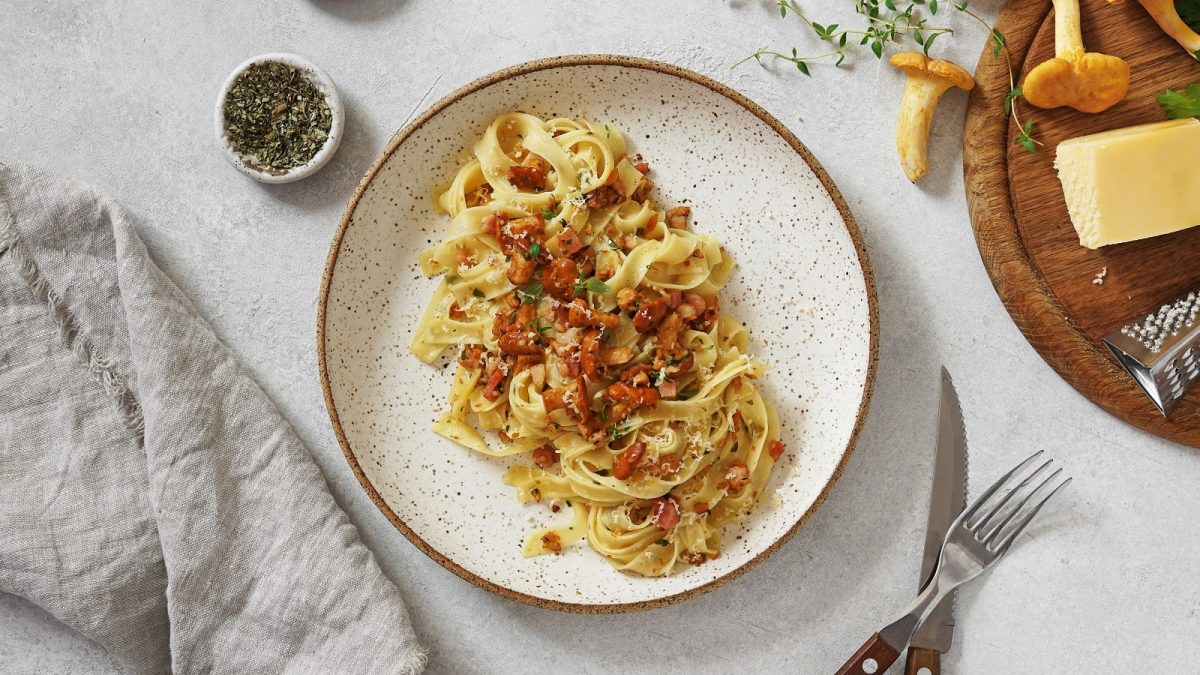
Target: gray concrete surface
120	94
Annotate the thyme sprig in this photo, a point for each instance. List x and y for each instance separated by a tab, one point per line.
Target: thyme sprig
892	22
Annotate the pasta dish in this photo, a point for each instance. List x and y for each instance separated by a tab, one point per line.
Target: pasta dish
591	341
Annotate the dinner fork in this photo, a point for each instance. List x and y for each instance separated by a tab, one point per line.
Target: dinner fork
979	537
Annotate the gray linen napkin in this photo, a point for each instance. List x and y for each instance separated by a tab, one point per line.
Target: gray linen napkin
151	496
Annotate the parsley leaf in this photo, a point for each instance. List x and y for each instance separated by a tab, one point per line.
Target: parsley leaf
1180	104
548	214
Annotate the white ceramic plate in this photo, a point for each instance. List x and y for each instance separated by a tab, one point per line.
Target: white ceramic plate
803	287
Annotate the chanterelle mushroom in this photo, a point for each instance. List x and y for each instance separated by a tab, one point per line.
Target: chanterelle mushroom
928	79
1087	82
1167	17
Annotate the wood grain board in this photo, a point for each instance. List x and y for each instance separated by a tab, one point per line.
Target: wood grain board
1025	238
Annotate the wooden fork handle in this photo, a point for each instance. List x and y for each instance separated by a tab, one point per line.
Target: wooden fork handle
875	656
930	659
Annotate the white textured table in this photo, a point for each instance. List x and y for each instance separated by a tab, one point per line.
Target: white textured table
120	94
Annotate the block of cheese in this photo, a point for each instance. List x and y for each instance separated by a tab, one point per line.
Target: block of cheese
1132	183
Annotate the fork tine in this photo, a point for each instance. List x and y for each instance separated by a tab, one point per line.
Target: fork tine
991	535
970	512
994	512
1003	544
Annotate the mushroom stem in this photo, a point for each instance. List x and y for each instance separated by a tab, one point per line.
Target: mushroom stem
921	96
1165	15
1068	38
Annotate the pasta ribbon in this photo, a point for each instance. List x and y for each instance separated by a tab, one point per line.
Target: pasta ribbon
591	341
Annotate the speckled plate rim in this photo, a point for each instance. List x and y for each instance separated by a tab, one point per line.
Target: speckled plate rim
626	62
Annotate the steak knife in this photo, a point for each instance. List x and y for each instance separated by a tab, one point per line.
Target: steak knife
947	499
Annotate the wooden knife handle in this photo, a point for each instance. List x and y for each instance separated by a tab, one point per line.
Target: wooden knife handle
930	659
875	656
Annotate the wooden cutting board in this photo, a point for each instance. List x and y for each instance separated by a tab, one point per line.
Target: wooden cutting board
1042	274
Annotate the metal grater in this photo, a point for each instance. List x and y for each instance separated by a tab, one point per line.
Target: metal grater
1162	352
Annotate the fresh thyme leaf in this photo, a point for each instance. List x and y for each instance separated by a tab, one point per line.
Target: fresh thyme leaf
998	42
597	286
594	285
614	433
1025	138
530	293
929	43
889	22
1012	96
1181	104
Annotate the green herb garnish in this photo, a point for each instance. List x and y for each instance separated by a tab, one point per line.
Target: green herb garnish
535	249
1181	104
614	433
890	22
530	293
548	214
478	293
276	117
593	285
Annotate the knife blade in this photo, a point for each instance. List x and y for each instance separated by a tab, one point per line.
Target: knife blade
947	499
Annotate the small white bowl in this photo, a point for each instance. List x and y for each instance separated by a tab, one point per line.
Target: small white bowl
323	82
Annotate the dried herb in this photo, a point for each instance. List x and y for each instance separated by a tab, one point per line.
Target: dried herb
276	117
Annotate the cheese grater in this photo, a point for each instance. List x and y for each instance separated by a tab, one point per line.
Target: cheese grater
1162	352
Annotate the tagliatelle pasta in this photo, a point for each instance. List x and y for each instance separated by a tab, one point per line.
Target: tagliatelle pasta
592	342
